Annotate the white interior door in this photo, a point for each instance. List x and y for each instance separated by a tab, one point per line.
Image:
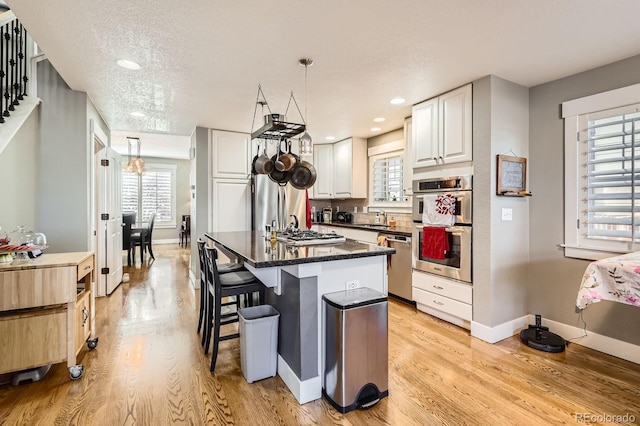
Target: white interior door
109	221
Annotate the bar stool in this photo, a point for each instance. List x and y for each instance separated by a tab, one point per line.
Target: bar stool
223	268
221	286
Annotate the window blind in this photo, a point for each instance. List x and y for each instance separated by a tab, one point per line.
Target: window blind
612	176
388	179
152	192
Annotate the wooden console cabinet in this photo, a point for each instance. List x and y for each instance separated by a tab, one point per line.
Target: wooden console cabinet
47	311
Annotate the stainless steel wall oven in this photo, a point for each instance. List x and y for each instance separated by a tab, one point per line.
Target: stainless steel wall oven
457	259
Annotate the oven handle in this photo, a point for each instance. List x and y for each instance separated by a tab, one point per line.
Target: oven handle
407	241
456	230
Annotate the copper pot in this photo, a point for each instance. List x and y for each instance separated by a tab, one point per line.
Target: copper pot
286	161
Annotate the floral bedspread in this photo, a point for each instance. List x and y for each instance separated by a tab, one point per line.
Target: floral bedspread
615	278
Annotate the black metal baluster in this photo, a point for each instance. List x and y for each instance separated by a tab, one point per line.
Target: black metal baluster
2	73
14	68
6	95
9	34
19	71
25	78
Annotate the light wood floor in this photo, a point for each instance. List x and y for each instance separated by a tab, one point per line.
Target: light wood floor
149	369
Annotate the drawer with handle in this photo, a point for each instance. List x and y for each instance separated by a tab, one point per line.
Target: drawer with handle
85	267
447	288
444	304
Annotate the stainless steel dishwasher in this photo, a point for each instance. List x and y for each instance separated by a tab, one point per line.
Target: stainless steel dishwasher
399	266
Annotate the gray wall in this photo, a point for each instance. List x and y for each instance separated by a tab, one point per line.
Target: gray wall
200	204
63	184
553	279
18	193
501	248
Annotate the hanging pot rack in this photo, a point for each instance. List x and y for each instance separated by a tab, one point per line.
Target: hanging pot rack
275	127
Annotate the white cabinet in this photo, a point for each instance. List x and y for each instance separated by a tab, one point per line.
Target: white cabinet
323	163
407	170
350	170
230	192
230	205
341	169
230	154
442	129
446	299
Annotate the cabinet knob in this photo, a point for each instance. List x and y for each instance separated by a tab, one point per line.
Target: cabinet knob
435	158
440	157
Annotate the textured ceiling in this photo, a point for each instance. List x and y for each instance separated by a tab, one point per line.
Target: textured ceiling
202	60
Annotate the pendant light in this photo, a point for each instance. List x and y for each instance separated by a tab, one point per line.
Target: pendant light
136	164
306	144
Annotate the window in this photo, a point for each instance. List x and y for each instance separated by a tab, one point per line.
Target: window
154	191
602	176
387	178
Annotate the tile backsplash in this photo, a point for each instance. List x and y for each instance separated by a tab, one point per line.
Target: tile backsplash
402	219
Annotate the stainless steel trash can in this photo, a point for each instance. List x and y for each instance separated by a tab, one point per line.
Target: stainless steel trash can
356	348
258	342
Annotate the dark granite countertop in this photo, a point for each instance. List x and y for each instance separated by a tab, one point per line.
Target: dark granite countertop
396	230
260	253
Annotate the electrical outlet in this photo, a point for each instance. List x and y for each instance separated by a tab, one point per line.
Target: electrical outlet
507	214
350	285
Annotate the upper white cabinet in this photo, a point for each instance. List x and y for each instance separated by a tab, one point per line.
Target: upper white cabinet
442	129
341	169
323	163
407	171
230	154
350	170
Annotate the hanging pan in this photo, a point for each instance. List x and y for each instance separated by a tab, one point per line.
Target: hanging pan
281	177
263	164
303	174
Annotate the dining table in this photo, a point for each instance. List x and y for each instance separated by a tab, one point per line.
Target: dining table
614	278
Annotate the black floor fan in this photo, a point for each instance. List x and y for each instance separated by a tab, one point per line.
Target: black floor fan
539	337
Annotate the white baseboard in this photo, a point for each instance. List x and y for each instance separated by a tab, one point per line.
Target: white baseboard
500	332
598	342
304	390
167	241
595	341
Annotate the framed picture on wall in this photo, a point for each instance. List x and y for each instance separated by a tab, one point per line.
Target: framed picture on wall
512	175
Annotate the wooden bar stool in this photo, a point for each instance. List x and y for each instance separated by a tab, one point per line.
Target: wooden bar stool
221	286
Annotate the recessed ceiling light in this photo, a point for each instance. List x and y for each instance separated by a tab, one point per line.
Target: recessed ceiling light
379	119
130	65
375	129
138	114
397	101
330	138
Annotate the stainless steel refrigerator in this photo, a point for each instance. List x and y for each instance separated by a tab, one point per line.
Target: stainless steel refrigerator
270	201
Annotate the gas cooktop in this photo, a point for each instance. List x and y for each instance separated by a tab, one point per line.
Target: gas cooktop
303	238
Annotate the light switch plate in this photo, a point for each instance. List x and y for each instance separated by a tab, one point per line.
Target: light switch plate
507	214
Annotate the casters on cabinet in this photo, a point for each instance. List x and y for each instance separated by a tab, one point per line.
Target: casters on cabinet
92	343
75	372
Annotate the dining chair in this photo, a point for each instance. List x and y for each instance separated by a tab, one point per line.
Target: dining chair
127	224
143	239
221	286
222	269
185	230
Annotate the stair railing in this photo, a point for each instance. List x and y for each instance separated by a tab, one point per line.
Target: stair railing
13	66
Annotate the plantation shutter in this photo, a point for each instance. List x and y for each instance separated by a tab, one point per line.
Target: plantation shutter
388	179
611	165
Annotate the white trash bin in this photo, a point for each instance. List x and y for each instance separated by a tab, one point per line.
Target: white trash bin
258	342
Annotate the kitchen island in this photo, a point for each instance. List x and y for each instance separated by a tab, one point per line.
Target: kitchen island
298	277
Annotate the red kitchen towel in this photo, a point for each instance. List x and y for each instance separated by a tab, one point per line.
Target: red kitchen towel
308	215
435	242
